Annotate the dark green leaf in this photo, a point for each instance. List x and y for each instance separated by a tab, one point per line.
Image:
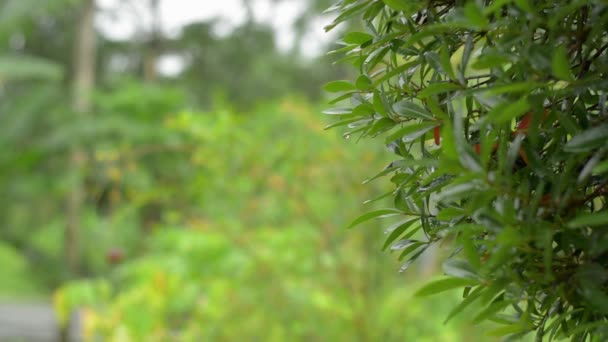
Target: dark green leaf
437	88
588	140
396	230
411	110
459	268
491	310
409	130
589	220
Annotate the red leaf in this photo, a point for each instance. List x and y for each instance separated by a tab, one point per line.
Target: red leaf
437	135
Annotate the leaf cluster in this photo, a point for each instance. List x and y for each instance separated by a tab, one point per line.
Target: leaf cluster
496	112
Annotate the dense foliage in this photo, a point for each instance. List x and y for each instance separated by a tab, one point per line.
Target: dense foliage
497	112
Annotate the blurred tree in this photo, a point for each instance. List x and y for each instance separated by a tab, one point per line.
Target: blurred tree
83	86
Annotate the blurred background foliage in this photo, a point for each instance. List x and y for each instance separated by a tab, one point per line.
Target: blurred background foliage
212	201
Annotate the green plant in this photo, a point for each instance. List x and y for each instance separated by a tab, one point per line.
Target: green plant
497	113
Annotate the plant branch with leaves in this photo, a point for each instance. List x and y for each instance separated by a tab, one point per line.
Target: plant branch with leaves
496	112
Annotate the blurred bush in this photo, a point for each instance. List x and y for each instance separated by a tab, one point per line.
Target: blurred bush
218	226
259	284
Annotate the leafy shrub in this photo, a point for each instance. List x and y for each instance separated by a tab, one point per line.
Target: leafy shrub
496	111
260	284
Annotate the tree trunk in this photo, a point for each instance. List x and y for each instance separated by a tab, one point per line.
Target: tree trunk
83	84
153	45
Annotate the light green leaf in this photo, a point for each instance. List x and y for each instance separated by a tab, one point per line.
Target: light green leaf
342	123
475	15
508	330
600	168
561	65
508	111
374	214
363	110
337	86
444	285
363	83
398	5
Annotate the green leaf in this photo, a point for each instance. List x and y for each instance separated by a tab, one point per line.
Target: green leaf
374	58
358	38
341	98
363	109
490	311
348	12
449	213
396	71
587	326
404	244
489	61
561	65
338	86
415	129
459	268
444	285
381	126
338	111
458	191
342	123
475	15
411	247
398	5
509	111
465	303
600	168
397	230
507	330
374	214
514	88
363	83
588	140
411	110
390	168
379	104
434	107
589	220
437	88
